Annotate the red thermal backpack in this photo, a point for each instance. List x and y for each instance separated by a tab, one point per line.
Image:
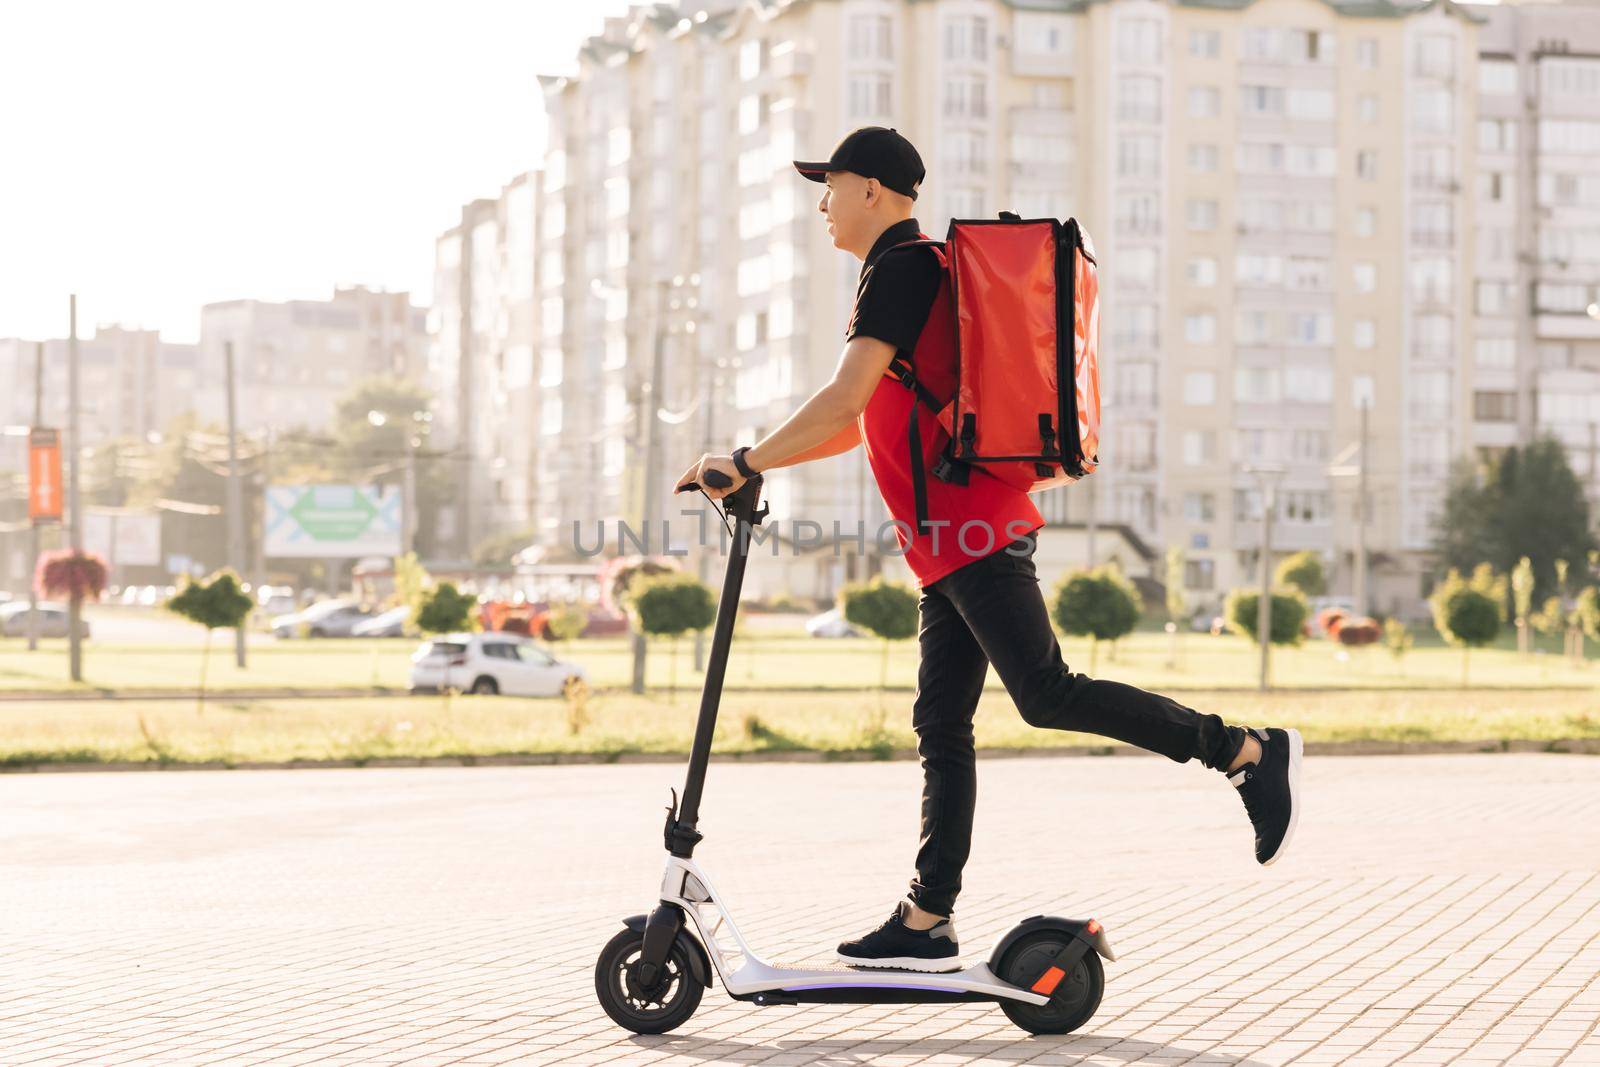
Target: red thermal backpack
1009	357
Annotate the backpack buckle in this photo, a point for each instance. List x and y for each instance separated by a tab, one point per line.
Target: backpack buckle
903	372
950	470
1047	437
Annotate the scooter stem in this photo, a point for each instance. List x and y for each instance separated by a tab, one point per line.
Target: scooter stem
681	835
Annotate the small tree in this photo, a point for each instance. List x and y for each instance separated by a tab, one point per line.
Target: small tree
1586	619
1466	615
216	603
1100	604
1288	621
411	583
1302	571
445	609
1176	603
672	605
566	622
887	609
1522	598
78	576
1398	640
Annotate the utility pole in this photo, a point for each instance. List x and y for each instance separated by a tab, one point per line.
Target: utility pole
75	528
236	558
652	436
1362	508
33	532
408	498
1267	478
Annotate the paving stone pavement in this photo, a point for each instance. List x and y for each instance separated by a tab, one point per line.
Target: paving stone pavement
1433	909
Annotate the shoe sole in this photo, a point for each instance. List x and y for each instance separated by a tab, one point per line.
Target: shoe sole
1296	755
903	963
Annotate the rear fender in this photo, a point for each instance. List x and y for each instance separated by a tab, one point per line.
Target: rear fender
1088	931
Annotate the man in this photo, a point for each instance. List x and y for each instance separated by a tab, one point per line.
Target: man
977	608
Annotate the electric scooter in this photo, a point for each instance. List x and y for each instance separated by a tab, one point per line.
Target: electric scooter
1045	973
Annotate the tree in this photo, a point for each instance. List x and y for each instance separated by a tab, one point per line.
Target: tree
1522	599
445	609
1526	503
78	576
566	622
887	609
1467	613
1586	618
411	583
1302	571
672	605
216	603
1099	604
1287	625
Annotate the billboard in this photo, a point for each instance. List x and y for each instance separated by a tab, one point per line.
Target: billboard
126	538
332	521
44	475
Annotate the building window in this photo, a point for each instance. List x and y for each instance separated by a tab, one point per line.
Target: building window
1367	165
1205	44
1435	56
1497	135
1138	156
1560	297
1139	98
871	37
1497	77
965	153
1139	41
1495	352
1364	333
1136	267
1200	329
1199	575
1308	385
1367	108
1199	388
1366	221
1199	447
869	96
1262	44
1201	214
1257	385
1494	406
1310	328
1202	271
1254	326
1308	446
1493	298
966	98
1261	99
1365	276
1138	213
1205	101
752	58
1043	36
966	38
1200	507
1256	269
1203	158
1367	53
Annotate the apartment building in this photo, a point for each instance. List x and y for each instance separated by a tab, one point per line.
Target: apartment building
1536	360
294	360
1282	194
482	330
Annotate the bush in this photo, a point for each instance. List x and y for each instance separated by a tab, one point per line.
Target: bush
1101	605
1397	637
1289	611
671	605
445	609
1468	613
1302	571
566	621
217	603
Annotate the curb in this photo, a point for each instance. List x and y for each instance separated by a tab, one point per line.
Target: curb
1568	746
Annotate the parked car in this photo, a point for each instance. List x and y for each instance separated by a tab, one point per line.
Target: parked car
52	620
330	618
391	623
489	663
832	623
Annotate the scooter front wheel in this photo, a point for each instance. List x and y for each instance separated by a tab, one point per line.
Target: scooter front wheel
665	1006
1075	998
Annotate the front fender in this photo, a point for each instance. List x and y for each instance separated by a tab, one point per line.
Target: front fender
699	962
1089	931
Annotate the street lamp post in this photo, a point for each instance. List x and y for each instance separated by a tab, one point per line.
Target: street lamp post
1267	478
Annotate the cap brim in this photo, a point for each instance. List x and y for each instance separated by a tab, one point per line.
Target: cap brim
817	172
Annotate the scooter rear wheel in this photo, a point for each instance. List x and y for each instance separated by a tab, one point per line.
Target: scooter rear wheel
666	1006
1075	999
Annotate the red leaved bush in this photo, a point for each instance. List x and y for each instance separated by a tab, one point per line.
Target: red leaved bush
72	575
1359	632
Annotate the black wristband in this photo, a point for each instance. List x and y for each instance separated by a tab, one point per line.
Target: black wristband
739	463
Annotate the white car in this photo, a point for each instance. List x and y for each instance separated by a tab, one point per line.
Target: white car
490	663
832	623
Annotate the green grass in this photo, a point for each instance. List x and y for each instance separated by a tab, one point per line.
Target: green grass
777	661
362	729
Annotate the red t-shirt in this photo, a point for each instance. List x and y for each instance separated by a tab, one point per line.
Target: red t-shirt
966	522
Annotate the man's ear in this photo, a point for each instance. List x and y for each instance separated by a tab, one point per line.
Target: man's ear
874	191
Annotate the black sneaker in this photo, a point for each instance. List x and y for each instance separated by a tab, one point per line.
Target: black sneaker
1270	789
894	945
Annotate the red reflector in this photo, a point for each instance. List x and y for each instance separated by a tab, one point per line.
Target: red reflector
1048	981
1092	927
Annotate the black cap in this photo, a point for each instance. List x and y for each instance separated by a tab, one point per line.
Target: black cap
872	152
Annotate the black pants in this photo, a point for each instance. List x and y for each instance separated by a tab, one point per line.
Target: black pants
991	611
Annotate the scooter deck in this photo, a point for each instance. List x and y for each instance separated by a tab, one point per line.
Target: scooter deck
976	982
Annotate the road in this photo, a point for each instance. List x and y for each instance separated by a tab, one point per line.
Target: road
1433	909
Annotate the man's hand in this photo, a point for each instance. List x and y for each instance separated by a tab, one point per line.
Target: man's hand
696	473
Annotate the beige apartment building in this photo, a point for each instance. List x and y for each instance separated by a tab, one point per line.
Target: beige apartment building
1282	194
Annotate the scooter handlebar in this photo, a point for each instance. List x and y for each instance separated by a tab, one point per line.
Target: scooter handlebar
715	479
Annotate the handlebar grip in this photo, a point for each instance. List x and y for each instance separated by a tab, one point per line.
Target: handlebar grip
714	479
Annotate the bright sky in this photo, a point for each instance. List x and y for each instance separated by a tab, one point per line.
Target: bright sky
161	155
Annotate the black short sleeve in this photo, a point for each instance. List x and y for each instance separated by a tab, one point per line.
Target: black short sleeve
894	297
